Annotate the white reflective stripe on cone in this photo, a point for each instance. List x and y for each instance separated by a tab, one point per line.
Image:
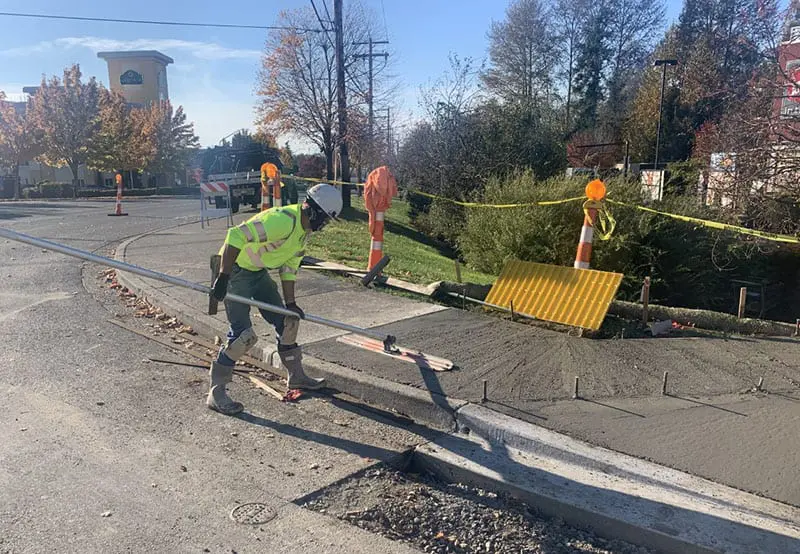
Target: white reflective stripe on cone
581	265
587	234
379	216
377	245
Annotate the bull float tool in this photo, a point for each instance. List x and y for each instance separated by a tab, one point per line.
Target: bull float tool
384	344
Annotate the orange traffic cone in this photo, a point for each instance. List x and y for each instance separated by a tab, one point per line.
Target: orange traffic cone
118	209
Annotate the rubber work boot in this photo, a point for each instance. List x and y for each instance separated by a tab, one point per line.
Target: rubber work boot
297	378
218	398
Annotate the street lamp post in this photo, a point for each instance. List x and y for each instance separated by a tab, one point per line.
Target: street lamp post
663	63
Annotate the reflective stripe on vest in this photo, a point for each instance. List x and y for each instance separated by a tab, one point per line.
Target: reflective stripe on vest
248	234
257	249
260	230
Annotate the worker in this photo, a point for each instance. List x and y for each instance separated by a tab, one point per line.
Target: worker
271	239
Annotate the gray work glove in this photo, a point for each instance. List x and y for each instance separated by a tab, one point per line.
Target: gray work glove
296	309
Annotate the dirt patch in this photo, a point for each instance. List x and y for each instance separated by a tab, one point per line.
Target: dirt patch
434	516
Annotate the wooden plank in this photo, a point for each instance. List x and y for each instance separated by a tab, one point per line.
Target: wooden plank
260	383
742	301
213	303
422	360
171	345
390	281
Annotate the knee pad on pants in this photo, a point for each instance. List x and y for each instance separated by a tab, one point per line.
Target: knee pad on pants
243	343
291	326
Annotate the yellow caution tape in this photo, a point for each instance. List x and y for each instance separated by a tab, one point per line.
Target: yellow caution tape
716	225
326	181
607	221
450	200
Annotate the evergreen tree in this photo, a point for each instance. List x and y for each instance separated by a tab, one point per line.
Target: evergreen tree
592	58
632	26
568	18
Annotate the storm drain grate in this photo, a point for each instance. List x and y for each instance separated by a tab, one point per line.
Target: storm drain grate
253	513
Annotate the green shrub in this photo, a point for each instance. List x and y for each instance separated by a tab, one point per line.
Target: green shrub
55	190
444	221
690	266
547	234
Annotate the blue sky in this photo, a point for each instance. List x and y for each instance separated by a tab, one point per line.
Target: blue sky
214	72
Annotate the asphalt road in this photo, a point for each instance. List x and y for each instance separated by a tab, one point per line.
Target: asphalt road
104	451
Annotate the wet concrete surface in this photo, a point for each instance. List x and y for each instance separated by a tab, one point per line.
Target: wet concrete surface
526	363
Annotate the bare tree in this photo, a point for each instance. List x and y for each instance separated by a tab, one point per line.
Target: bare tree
297	79
522	53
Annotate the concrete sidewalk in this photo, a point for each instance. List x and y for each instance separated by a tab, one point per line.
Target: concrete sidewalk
707	426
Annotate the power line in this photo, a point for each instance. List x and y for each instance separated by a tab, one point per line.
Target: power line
153	22
327	13
321	24
330	40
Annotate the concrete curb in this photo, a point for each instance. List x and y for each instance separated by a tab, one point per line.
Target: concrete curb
434	410
619	495
453	468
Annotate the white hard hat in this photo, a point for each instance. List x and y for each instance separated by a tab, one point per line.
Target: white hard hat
327	197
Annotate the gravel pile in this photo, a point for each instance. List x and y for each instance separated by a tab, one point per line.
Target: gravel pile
452	518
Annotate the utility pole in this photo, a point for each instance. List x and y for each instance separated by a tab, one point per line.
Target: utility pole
388	135
341	94
370	57
664	64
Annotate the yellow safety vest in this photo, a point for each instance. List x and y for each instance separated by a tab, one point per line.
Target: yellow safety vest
272	239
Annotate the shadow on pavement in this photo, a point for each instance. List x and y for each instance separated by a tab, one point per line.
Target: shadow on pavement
515	409
357	448
382	416
611	407
706	404
390	226
786	396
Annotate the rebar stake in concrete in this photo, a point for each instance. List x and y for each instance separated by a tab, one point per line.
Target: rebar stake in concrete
664	384
575	395
485	396
760	385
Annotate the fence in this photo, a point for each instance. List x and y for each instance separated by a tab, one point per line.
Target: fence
208	193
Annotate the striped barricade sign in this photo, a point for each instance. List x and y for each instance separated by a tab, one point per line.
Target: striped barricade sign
208	194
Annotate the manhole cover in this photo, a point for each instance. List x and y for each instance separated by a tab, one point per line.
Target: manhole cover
253	513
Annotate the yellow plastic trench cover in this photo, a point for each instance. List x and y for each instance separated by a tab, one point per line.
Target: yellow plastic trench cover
577	297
